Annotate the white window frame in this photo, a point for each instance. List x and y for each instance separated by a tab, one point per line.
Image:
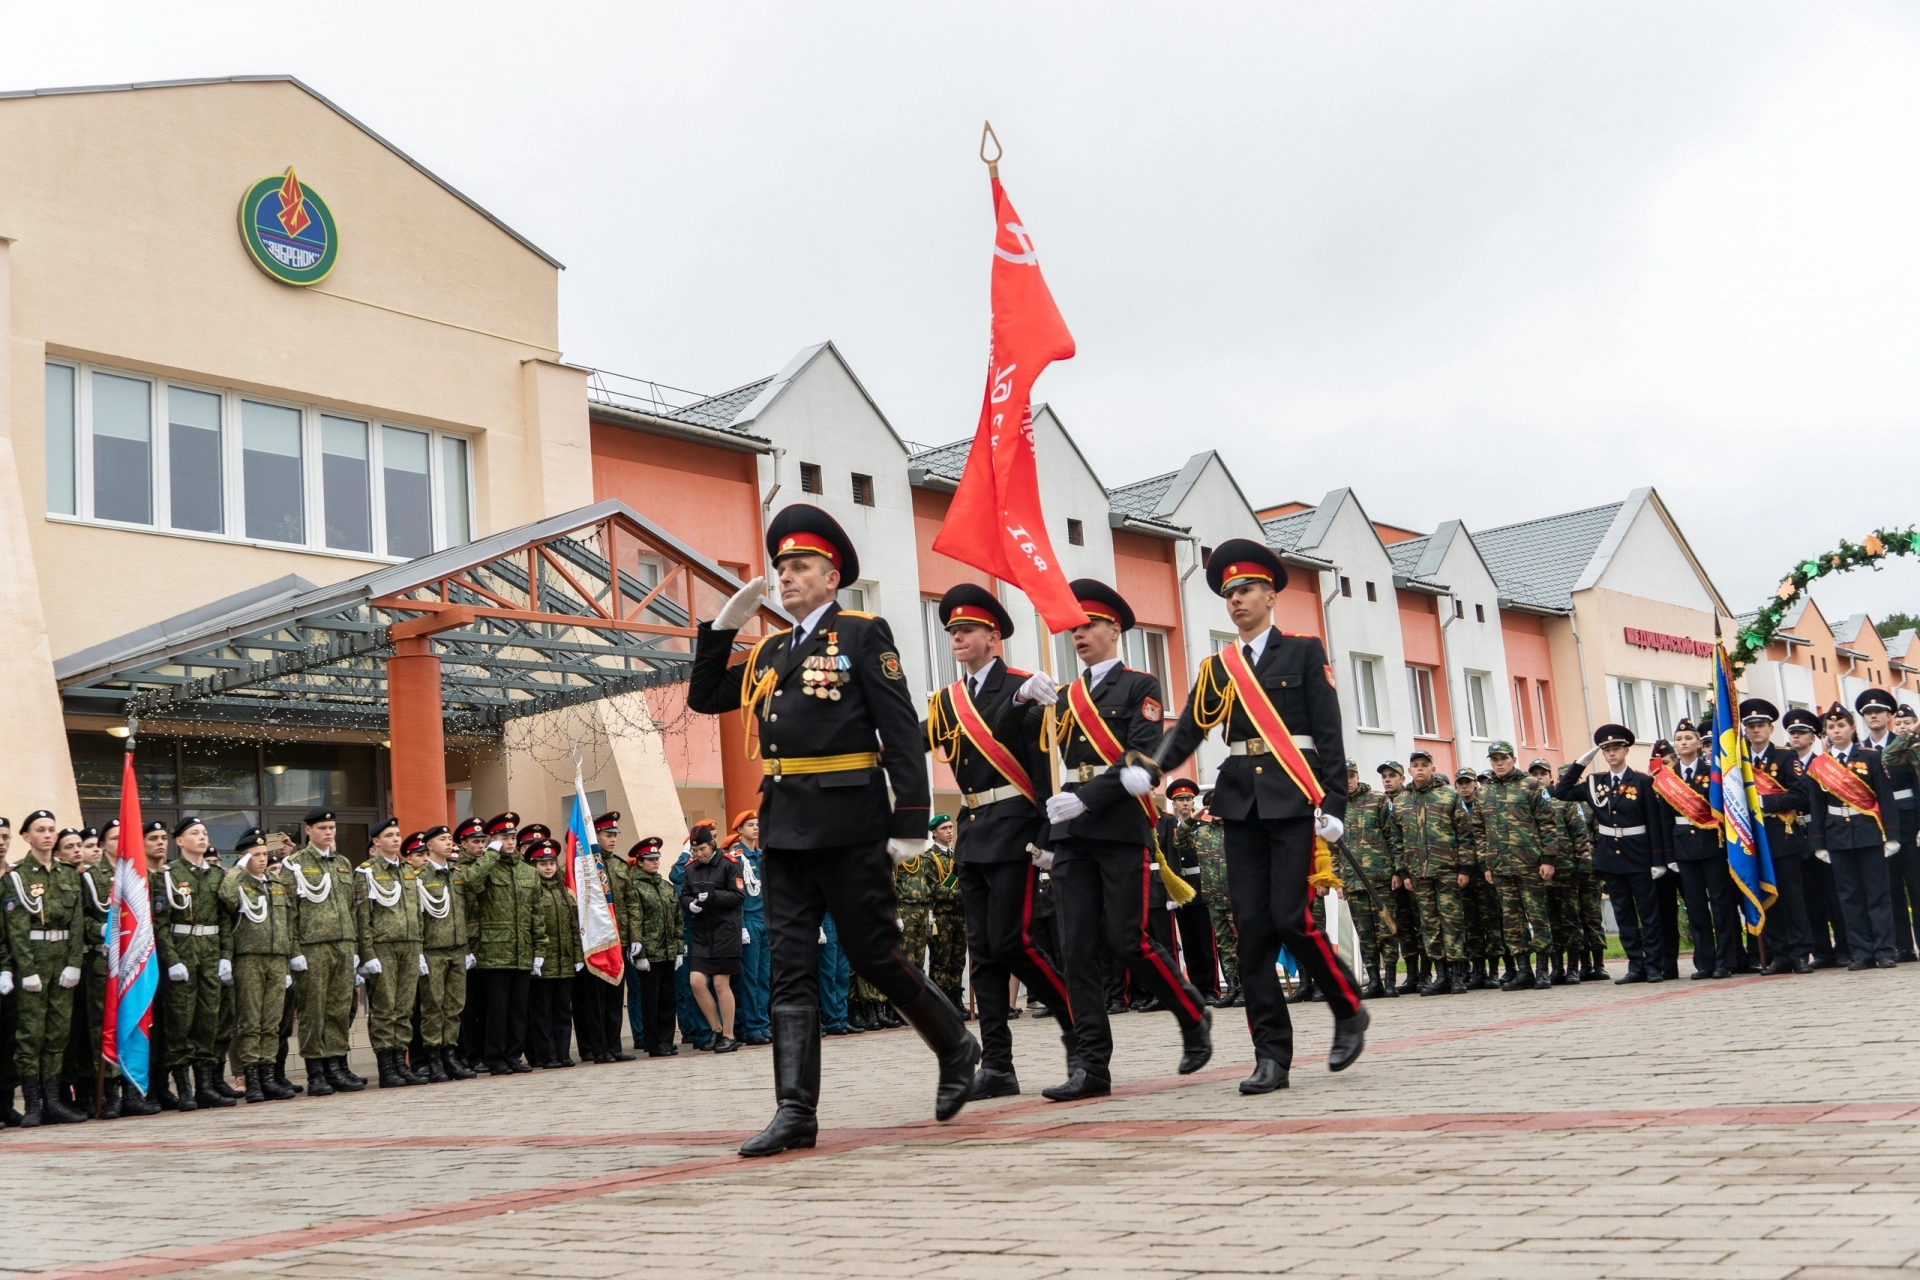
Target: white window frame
1423	727
1540	696
233	469
1147	636
1367	669
939	647
1479	695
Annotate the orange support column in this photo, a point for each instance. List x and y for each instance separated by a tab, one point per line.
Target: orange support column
418	735
739	776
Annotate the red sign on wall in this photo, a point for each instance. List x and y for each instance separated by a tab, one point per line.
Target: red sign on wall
1672	644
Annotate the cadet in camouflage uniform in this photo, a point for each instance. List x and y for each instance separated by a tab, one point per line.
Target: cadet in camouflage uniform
192	937
947	966
1433	833
1563	896
1484	948
442	994
260	940
84	1066
657	932
1368	842
614	999
555	925
914	883
323	960
1399	887
1580	926
502	885
46	930
1514	827
386	920
1210	846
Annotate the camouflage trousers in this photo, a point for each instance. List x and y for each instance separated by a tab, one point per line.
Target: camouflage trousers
1484	918
1368	925
915	933
1226	940
947	963
1526	924
1442	908
1592	924
1406	918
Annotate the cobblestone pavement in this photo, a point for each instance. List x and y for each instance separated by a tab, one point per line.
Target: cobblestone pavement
1747	1129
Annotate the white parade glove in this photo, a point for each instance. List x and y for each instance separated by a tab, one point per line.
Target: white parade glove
298	964
6	982
633	951
371	967
226	973
578	965
1043	859
1674	867
1172	905
70	976
289	978
1658	872
1893	847
1065	807
470	960
30	983
1824	856
899	849
746	937
356	961
899	925
1587	759
823	937
694	906
1136	780
1329	828
1040	688
703	895
175	973
359	979
741	606
423	966
645	965
679	961
538	961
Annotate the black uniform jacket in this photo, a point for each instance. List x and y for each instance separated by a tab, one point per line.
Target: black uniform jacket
716	925
1293	671
1684	841
874	712
1632	808
1001	831
1906	789
1789	815
1131	704
1837	827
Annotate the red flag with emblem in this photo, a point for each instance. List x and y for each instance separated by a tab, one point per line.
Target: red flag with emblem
995	522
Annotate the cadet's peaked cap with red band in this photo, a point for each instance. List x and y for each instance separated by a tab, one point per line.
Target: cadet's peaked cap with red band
1239	560
501	823
1100	601
1182	787
970	603
609	819
801	529
469	827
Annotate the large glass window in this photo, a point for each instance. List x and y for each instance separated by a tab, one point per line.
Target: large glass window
271	460
60	437
404	458
939	648
1426	717
122	449
1146	650
346	479
1477	704
453	491
1366	691
193	460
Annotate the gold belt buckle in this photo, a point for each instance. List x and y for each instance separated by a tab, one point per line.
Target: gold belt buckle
1084	772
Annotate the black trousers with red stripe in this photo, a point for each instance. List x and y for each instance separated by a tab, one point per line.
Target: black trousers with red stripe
1267	867
998	898
1100	894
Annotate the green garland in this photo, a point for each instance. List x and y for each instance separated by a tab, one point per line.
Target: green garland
1869	552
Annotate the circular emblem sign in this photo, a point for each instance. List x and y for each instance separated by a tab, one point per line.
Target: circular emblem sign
289	230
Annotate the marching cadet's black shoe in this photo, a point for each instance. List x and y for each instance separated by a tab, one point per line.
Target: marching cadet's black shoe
186	1099
256	1092
991	1082
618	1056
1699	974
1349	1038
1802	965
1116	1006
1631	975
317	1084
1196	1044
796	1083
1884	963
132	1103
1855	966
1078	1085
1656	977
938	1024
339	1078
1267	1076
498	1067
1723	972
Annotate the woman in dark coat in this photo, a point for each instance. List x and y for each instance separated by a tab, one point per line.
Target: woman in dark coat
712	893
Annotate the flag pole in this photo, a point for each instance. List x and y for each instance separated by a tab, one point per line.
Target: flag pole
993	164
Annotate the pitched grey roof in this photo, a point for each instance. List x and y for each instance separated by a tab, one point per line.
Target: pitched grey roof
945	460
1142	498
1283	532
1849	627
720	411
1537	562
1406	556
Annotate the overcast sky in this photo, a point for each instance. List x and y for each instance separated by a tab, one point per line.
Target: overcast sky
1486	261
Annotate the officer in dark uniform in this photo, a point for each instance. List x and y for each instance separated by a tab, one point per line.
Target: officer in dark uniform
1628	845
1857	843
1270	823
1877	710
998	826
1786	808
1100	845
836	724
1713	912
1177	841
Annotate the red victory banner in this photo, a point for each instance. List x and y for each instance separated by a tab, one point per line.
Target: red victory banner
995	522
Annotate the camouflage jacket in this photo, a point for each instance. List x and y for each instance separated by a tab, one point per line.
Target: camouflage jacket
658	929
915	880
1433	831
1573	844
1513	825
1369	840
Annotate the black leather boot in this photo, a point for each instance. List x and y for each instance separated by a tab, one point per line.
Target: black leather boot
1478	971
796	1083
1386	978
347	1071
1268	1075
217	1078
33	1100
1373	990
133	1103
1457	977
1436	983
1506	972
203	1091
1415	970
271	1086
390	1077
1559	977
1520	980
159	1094
342	1080
184	1091
992	1082
436	1064
451	1064
54	1109
939	1026
1599	965
110	1100
279	1076
318	1085
1543	970
256	1091
1349	1038
1302	991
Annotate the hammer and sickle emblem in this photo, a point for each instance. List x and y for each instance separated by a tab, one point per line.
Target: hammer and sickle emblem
1026	258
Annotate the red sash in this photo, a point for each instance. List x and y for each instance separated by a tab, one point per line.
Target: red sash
1273	730
974	725
1683	799
1766	784
1846	786
1109	749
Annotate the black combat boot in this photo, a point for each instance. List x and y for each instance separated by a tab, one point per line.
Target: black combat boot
1302	991
1373	990
272	1085
347	1071
110	1101
159	1094
217	1077
1386	977
34	1101
183	1090
1477	975
1599	964
1518	981
318	1086
1416	969
796	1083
437	1072
1543	970
1506	972
203	1091
256	1090
1437	982
54	1108
390	1077
939	1026
133	1103
279	1075
342	1080
1457	977
1558	977
8	1116
451	1064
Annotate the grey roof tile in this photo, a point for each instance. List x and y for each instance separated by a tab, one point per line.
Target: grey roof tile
1283	532
1142	498
1537	562
1406	555
947	460
720	411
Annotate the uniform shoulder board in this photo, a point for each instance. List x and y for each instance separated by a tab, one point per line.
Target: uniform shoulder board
731	856
1018	673
855	613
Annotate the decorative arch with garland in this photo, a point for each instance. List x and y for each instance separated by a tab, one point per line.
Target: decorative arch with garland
1870	552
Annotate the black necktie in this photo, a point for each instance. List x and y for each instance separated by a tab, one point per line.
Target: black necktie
1246	651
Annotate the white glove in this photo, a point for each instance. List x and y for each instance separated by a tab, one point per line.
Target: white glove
1172	905
298	964
1065	807
1587	759
289	978
644	965
899	925
578	965
741	606
70	976
1824	856
703	895
899	850
1658	872
538	961
226	973
470	960
1329	828
633	951
175	973
6	982
356	962
359	979
1040	688
30	983
1043	859
694	906
1893	847
1674	867
823	937
678	961
423	966
371	968
746	937
1136	780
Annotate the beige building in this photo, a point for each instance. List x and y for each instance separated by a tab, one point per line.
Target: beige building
177	425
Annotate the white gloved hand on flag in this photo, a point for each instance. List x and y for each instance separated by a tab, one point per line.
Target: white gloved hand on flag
1039	687
1329	828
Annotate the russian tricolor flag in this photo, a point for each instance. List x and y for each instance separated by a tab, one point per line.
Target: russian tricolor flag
133	974
592	892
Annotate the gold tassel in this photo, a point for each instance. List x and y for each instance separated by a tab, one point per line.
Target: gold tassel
1177	889
1323	875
